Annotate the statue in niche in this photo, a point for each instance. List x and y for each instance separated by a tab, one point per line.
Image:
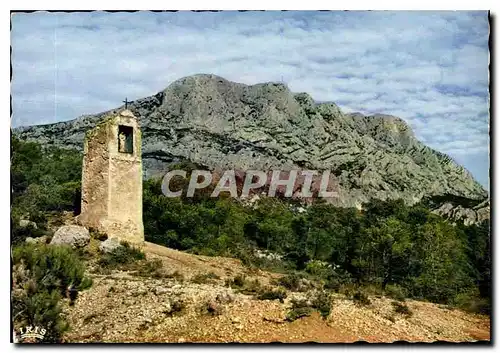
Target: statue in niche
121	142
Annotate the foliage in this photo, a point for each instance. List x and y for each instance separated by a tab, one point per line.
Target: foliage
244	285
43	180
205	278
151	268
42	276
402	308
291	282
300	308
403	250
361	298
395	291
322	301
272	294
122	255
388	244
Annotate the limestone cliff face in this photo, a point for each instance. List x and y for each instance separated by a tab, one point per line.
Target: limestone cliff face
217	123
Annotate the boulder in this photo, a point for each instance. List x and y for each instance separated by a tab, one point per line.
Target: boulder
109	245
75	236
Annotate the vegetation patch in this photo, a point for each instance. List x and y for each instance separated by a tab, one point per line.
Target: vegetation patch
360	298
272	294
321	302
402	308
209	277
43	276
121	256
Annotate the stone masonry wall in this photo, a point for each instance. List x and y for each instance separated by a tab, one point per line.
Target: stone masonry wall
112	181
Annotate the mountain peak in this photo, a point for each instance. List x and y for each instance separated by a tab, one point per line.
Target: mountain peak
218	123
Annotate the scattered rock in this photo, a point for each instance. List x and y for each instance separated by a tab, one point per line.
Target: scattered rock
160	290
75	236
225	297
109	245
235	320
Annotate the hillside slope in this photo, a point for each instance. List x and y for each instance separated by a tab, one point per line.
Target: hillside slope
122	307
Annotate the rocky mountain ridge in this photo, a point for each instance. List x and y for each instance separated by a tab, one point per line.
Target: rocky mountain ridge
221	124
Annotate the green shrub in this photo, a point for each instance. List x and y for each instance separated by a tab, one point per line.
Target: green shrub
300	308
272	294
402	308
42	276
151	268
336	280
238	281
178	306
322	301
471	301
205	278
251	287
244	285
361	298
122	255
396	292
291	282
317	268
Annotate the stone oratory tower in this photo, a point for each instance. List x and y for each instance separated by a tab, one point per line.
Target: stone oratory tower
112	179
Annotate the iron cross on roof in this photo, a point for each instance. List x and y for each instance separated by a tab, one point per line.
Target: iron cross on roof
126	102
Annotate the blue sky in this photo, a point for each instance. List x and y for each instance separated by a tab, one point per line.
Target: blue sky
429	68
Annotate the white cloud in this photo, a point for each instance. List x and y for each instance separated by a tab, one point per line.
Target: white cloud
429	68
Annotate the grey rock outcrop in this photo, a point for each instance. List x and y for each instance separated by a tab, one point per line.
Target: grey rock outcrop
75	236
221	124
469	215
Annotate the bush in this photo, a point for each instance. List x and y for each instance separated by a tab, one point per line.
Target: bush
205	278
272	294
122	255
323	303
42	276
361	298
243	285
402	308
471	301
337	280
151	268
291	282
211	307
237	281
396	292
318	268
175	275
300	308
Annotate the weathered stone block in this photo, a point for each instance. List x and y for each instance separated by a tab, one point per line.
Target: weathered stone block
75	236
